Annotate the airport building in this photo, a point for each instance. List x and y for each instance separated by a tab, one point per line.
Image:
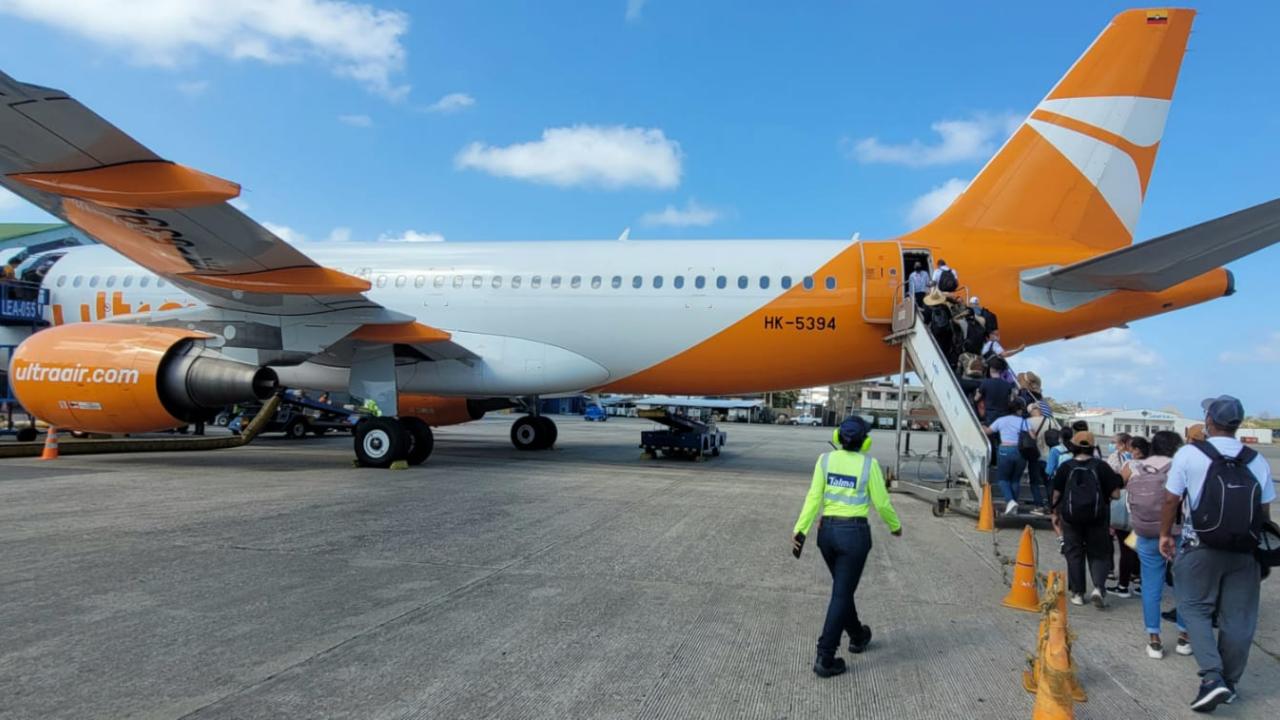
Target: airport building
873	398
1145	422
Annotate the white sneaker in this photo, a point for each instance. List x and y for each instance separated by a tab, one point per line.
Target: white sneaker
1183	647
1077	599
1098	599
1155	650
1011	507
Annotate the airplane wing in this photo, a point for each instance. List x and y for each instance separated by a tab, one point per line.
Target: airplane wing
1165	261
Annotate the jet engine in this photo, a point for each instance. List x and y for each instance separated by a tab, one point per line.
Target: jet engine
104	377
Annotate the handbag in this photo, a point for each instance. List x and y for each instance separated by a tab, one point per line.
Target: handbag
1027	446
1120	513
1268	552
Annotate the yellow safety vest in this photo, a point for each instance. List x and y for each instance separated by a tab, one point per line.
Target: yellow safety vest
846	484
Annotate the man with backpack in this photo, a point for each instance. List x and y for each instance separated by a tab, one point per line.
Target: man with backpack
1083	488
1224	490
945	278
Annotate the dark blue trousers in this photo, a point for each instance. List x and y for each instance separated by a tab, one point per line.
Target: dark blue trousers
845	544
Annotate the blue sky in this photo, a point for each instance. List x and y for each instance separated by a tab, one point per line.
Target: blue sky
487	121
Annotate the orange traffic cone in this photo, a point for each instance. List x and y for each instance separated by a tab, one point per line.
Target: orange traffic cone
1055	674
50	445
986	515
1055	587
1024	595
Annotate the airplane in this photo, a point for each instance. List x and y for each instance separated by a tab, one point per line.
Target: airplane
189	305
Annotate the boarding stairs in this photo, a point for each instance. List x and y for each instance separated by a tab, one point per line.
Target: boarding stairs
963	451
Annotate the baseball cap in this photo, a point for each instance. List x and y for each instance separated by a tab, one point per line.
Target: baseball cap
973	300
1225	411
1082	439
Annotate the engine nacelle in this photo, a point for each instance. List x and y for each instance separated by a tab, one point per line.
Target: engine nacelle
103	377
437	410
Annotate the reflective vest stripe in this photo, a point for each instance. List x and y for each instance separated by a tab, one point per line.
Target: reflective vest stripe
854	500
859	496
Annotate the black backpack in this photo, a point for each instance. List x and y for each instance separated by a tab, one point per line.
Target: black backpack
1082	502
1229	514
1052	436
947	281
940	318
974	336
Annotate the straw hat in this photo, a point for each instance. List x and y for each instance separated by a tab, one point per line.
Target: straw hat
935	297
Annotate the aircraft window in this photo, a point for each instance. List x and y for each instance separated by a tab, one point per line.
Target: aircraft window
420	281
62	280
678	281
159	282
831	282
575	282
77	281
497	282
743	282
785	282
555	282
111	281
382	281
145	281
700	282
721	282
808	282
595	282
535	282
477	282
616	282
637	282
401	280
764	282
657	281
515	282
438	282
93	281
128	281
457	281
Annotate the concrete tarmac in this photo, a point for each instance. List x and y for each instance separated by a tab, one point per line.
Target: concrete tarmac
276	581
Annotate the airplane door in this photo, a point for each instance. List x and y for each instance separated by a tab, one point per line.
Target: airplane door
881	279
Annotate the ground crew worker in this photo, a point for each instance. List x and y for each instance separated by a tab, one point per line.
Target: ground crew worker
845	484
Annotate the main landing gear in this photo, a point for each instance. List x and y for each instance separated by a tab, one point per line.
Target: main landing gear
533	432
381	441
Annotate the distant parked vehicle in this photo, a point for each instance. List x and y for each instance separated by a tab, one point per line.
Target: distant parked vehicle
595	413
806	420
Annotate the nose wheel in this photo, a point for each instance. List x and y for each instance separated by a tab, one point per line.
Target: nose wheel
533	432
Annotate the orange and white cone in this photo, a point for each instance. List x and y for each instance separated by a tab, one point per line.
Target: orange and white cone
50	445
986	515
1055	675
1024	595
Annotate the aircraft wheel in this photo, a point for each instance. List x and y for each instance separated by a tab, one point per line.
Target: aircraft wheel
549	430
533	433
421	439
380	441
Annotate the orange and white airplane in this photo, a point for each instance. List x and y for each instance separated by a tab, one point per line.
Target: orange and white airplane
189	305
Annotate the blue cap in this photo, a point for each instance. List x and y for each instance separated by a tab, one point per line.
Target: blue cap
1224	411
852	431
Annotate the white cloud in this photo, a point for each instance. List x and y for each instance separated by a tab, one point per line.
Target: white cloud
193	88
355	40
411	236
931	204
361	121
339	234
452	102
1267	351
584	155
285	233
634	8
692	214
961	141
1098	369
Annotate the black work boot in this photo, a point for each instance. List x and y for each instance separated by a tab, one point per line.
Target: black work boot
860	643
826	666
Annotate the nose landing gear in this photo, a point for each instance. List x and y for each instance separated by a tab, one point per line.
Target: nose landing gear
533	432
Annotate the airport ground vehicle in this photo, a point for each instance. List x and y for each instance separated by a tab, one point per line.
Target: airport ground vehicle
595	413
298	417
201	305
685	436
805	420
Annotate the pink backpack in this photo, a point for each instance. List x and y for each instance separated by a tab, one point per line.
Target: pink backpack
1146	495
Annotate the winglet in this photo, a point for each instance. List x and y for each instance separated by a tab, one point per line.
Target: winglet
287	281
151	184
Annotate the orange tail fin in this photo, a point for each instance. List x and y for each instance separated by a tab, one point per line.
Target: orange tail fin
1078	167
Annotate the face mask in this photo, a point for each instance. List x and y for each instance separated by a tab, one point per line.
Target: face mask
1111	447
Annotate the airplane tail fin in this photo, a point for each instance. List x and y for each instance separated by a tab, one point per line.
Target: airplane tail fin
1078	167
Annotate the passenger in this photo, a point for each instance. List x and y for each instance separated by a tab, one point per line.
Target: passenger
1129	571
1010	462
938	316
1119	451
10	269
992	347
1030	383
1083	488
1144	483
1224	490
1194	433
995	392
989	321
1037	473
845	484
918	283
945	278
